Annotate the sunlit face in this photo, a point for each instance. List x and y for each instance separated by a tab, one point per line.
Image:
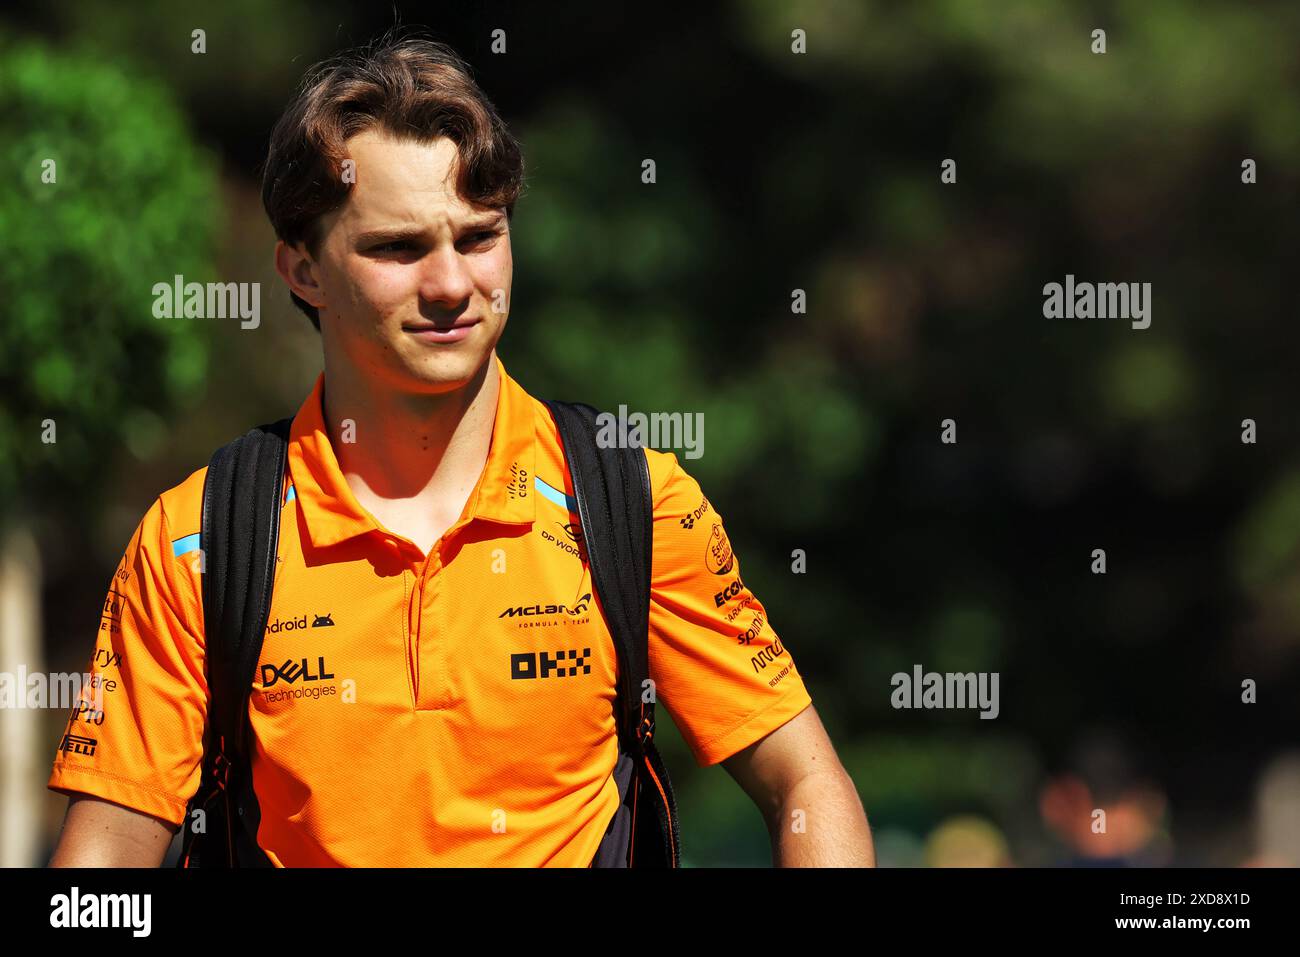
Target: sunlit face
413	282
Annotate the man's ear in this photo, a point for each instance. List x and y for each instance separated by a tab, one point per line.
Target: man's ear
297	268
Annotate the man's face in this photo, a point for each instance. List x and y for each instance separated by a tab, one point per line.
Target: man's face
415	282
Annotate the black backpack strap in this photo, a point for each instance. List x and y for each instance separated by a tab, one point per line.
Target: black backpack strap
242	495
612	487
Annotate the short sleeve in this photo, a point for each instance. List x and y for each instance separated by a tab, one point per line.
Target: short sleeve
135	736
725	676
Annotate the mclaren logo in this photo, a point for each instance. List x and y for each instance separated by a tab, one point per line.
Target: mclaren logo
573	611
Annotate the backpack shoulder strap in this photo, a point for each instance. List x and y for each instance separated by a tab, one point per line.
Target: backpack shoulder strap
612	487
613	493
242	496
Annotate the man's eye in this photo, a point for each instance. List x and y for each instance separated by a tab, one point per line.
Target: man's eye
475	239
395	246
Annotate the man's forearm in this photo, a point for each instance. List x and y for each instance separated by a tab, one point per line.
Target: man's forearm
821	823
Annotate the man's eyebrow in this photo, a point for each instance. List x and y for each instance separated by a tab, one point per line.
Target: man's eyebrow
393	234
489	222
389	234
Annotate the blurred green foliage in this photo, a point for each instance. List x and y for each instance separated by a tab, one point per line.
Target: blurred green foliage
109	194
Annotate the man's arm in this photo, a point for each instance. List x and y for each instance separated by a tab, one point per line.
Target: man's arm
811	807
129	787
98	833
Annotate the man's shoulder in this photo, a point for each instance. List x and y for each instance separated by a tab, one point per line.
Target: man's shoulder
668	480
180	508
181	505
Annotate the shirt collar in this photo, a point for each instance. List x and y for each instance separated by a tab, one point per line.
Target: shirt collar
503	493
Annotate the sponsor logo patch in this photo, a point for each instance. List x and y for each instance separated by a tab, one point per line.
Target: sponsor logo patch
717	553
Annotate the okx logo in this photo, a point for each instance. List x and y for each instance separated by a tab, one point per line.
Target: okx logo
292	672
533	664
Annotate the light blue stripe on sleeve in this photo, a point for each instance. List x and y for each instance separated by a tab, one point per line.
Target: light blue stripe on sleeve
555	495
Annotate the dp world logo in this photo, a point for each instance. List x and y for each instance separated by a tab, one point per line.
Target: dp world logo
689	520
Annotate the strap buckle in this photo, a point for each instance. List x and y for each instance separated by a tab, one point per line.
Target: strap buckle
221	767
646	729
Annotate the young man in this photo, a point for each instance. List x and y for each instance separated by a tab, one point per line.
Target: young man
427	542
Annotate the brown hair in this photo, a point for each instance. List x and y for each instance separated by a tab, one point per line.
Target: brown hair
408	86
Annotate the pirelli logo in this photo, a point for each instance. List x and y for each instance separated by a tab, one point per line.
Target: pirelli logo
543	664
77	744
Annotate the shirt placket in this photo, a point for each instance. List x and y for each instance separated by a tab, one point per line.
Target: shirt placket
430	677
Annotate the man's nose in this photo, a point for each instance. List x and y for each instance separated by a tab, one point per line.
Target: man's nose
444	277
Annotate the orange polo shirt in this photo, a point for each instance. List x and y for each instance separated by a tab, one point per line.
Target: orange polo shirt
454	709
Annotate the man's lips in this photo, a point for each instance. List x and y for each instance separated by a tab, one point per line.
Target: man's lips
432	332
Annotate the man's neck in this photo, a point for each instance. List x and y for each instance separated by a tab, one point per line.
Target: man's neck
411	459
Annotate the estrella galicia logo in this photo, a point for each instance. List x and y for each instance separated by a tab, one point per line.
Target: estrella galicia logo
717	553
294	671
576	610
533	664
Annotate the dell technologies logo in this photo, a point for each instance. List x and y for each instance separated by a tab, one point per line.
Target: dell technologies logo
294	671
